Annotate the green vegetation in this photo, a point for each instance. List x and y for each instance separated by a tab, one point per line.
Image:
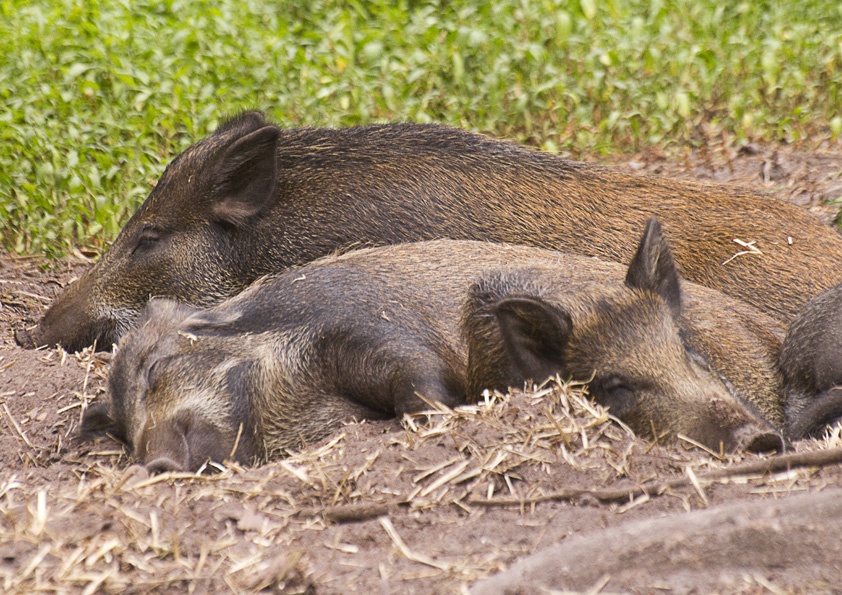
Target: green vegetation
96	96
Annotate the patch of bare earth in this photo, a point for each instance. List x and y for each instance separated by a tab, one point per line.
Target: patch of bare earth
527	493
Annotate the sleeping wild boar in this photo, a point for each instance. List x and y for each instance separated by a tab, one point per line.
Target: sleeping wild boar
376	332
663	358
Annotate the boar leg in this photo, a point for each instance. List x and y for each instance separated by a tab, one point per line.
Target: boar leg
413	388
386	371
410	382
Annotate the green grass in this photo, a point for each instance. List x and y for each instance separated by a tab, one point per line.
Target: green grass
96	97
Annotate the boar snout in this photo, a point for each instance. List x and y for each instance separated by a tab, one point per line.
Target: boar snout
811	364
759	440
163	465
823	411
69	322
730	424
183	443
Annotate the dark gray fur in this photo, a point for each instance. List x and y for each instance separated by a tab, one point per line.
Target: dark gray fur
811	362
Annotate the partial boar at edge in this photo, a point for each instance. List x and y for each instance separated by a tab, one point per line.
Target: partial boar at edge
811	363
252	199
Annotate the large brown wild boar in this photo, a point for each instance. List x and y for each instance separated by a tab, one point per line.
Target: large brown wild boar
362	334
252	199
811	363
662	359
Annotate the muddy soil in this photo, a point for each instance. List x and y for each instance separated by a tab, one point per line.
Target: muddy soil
423	507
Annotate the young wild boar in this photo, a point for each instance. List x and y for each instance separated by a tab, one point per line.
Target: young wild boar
252	199
363	334
811	363
661	359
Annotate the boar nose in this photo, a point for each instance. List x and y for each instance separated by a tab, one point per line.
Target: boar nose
163	465
23	338
759	440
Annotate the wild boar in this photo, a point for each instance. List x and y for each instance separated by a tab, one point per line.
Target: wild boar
376	333
661	358
252	199
811	363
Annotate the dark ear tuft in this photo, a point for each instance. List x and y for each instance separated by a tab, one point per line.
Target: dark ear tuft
653	269
243	123
246	175
535	335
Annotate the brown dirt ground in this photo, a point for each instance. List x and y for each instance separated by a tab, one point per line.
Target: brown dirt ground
378	507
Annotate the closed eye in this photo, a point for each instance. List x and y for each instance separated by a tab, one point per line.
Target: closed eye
615	392
149	238
617	388
153	374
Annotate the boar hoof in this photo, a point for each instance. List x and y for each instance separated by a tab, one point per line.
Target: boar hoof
163	465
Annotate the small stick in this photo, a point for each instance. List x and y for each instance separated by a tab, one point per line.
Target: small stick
409	554
32	295
691	475
816	458
17	427
236	442
351	513
700	446
750	248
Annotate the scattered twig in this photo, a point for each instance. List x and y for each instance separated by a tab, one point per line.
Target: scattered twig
352	513
750	248
35	296
169	476
17	427
407	553
817	458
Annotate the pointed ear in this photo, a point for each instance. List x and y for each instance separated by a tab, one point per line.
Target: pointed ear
653	269
244	122
246	175
535	335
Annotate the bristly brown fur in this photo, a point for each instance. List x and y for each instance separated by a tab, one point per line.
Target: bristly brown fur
313	191
369	334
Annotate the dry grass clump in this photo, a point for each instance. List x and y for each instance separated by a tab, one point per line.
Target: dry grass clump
106	529
498	438
95	526
107	536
